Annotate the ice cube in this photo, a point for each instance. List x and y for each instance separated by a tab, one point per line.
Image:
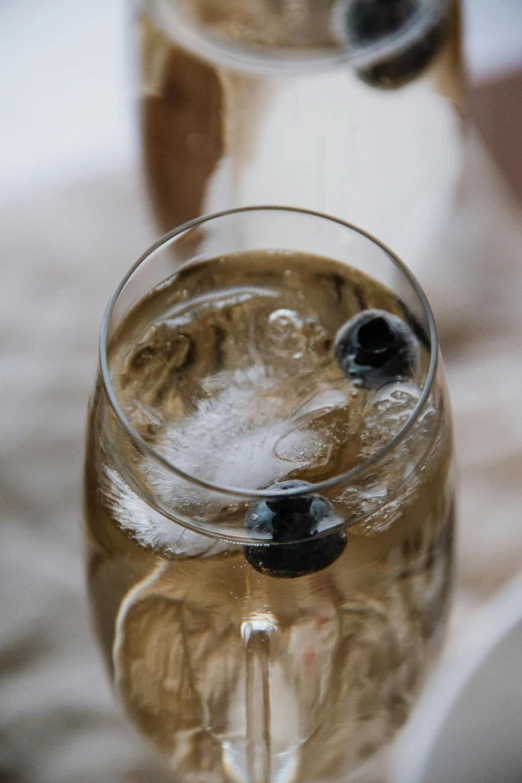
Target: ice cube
229	438
149	527
319	431
311	442
300	341
387	412
164	348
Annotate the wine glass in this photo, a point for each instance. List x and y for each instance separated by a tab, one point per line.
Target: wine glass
350	107
269	496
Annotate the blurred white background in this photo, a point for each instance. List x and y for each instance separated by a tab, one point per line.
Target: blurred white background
66	66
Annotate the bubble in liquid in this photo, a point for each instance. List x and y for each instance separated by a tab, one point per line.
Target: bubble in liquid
284	333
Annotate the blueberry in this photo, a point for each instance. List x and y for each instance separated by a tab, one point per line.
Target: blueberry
287	520
371	20
403	67
375	347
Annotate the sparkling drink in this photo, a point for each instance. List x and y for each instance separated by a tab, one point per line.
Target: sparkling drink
278	636
349	107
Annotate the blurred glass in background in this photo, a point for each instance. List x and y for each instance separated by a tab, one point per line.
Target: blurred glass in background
79	95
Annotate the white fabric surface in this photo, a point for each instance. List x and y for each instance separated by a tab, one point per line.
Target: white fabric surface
62	254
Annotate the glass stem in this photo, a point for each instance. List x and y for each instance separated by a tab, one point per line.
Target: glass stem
257	638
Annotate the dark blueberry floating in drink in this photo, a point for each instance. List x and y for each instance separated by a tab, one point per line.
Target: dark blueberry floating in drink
286	520
371	20
401	68
375	348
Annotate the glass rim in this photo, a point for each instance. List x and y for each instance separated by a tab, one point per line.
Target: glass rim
242	492
256	58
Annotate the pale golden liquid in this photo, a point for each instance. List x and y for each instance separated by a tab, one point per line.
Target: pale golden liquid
345	649
378	145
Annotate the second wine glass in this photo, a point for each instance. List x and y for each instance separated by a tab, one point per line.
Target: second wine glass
349	107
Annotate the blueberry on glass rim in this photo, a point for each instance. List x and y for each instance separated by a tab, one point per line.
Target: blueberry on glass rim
375	348
287	519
